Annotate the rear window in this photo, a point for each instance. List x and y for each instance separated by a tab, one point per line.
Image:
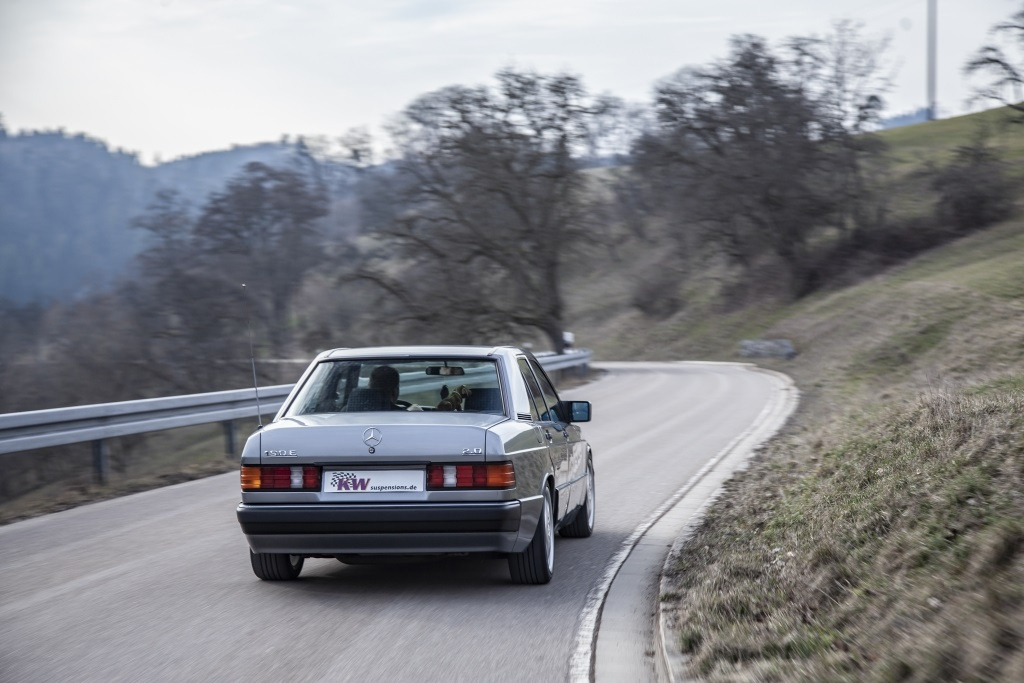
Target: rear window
428	384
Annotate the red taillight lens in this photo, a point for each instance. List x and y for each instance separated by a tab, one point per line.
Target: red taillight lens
435	477
277	478
500	475
311	478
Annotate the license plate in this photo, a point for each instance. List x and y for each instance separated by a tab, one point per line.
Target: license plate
374	481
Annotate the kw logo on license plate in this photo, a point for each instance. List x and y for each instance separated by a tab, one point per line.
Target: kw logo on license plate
346	481
373	481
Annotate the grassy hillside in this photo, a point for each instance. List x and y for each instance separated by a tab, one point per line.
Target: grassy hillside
881	536
715	307
934	142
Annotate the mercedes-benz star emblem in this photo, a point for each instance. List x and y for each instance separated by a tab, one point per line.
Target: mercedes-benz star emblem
372	437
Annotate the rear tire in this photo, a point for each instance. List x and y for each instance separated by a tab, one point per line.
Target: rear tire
536	564
274	567
582	525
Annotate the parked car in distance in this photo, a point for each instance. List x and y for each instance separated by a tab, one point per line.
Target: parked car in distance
412	451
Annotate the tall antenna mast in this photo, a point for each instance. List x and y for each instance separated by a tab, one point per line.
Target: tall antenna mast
252	358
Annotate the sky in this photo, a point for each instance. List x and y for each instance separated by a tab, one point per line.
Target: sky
171	78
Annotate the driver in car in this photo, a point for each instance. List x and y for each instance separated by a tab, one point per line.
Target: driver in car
385	379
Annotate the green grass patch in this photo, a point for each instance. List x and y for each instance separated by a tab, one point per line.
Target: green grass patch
897	353
935	142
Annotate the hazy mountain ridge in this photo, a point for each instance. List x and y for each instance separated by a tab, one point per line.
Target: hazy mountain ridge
67	203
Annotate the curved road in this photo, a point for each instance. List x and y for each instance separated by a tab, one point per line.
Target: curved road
157	586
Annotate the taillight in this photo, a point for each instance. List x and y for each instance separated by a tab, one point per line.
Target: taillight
500	475
277	478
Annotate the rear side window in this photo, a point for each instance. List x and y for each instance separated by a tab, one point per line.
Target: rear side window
533	389
547	402
550	396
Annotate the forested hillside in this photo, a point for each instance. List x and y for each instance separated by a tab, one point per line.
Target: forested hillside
65	206
67	203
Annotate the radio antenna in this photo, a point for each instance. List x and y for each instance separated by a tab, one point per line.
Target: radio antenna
252	358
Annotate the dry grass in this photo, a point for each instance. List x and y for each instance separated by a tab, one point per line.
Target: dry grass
890	547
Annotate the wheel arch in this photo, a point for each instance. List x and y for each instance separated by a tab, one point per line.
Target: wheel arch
531	510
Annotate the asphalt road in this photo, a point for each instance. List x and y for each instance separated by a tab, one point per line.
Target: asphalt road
157	586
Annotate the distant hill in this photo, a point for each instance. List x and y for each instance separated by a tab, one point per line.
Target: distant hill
67	203
910	118
196	177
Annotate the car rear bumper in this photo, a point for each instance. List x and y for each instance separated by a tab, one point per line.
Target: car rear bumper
407	528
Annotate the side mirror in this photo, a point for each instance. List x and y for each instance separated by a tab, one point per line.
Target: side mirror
578	411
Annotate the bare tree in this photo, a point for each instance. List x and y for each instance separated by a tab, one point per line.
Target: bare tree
186	316
484	205
262	231
738	156
1005	72
846	74
760	153
189	304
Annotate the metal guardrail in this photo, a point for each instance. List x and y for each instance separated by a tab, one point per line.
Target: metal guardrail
62	426
570	359
96	423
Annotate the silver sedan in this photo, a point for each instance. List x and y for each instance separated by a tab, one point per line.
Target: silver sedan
399	451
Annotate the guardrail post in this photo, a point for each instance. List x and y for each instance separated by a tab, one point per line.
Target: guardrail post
100	462
230	439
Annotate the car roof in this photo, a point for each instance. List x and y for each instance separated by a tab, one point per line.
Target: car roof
420	351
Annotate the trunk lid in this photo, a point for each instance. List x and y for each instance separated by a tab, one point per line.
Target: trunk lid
386	437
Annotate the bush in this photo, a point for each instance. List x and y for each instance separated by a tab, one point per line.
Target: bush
974	189
656	293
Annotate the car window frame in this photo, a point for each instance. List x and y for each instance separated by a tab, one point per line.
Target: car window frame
533	391
544	381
